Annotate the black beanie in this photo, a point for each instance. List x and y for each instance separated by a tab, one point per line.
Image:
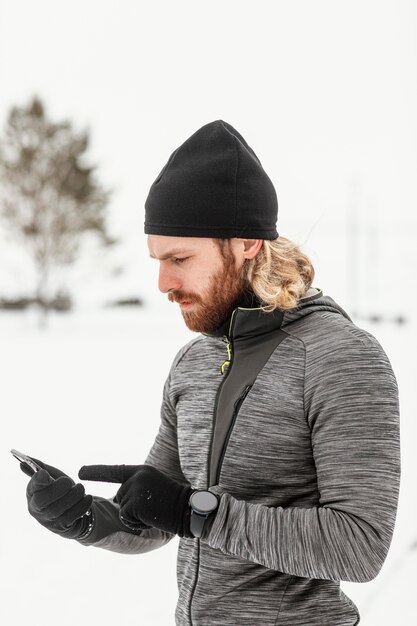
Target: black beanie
213	185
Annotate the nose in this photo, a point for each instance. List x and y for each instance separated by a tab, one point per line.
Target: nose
168	280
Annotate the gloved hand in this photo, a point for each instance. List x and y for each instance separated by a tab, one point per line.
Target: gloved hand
56	502
147	496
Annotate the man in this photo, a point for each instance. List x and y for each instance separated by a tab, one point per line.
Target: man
277	460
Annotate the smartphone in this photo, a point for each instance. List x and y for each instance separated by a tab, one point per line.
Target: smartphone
24	458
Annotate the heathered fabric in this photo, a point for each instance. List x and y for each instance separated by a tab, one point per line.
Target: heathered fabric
309	481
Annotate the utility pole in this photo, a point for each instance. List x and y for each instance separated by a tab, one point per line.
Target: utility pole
373	258
353	245
354	274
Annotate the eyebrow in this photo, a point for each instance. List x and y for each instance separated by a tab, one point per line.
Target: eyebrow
169	254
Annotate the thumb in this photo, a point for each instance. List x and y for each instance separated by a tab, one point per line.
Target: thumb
39	481
107	473
52	471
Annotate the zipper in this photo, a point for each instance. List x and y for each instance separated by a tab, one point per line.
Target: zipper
228	339
236	410
229	342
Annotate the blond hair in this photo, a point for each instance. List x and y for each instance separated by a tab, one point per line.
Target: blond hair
279	275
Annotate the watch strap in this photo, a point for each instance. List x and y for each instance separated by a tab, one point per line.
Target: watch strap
197	523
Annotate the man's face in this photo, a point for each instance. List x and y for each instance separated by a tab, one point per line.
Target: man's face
195	275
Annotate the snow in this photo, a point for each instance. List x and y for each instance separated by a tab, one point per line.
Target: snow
87	390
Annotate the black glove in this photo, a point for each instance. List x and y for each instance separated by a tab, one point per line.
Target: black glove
147	497
56	502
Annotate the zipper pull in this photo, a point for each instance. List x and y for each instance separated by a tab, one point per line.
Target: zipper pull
239	401
229	354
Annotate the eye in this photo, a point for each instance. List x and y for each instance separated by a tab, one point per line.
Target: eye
178	260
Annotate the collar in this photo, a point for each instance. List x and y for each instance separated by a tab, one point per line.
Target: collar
248	320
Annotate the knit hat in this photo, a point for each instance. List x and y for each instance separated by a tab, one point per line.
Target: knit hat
213	185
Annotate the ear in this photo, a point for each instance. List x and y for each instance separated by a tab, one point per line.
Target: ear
251	247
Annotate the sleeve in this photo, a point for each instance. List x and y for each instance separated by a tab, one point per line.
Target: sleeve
108	532
352	408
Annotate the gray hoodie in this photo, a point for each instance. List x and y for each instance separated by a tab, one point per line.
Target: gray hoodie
296	428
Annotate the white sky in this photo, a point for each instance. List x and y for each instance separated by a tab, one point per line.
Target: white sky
325	92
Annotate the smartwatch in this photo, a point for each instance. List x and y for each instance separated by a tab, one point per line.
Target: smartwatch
202	503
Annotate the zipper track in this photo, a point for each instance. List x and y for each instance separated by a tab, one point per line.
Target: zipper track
230	340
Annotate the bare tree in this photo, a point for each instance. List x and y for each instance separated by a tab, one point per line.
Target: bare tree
49	195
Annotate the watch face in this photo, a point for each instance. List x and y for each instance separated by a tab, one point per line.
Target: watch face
203	502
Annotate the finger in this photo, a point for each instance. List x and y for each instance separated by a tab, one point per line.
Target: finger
67	520
44	498
26	469
107	473
65	504
131	522
52	471
80	508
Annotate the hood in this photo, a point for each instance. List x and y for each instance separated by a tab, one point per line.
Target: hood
249	320
314	300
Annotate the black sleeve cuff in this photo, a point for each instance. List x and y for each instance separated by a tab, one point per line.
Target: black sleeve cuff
106	521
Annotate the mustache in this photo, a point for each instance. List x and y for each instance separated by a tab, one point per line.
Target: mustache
183	297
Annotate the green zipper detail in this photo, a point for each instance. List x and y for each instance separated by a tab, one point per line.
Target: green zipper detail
229	354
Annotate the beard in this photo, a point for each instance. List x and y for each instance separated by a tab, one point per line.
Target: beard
227	289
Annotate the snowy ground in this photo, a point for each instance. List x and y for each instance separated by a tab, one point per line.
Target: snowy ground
88	390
